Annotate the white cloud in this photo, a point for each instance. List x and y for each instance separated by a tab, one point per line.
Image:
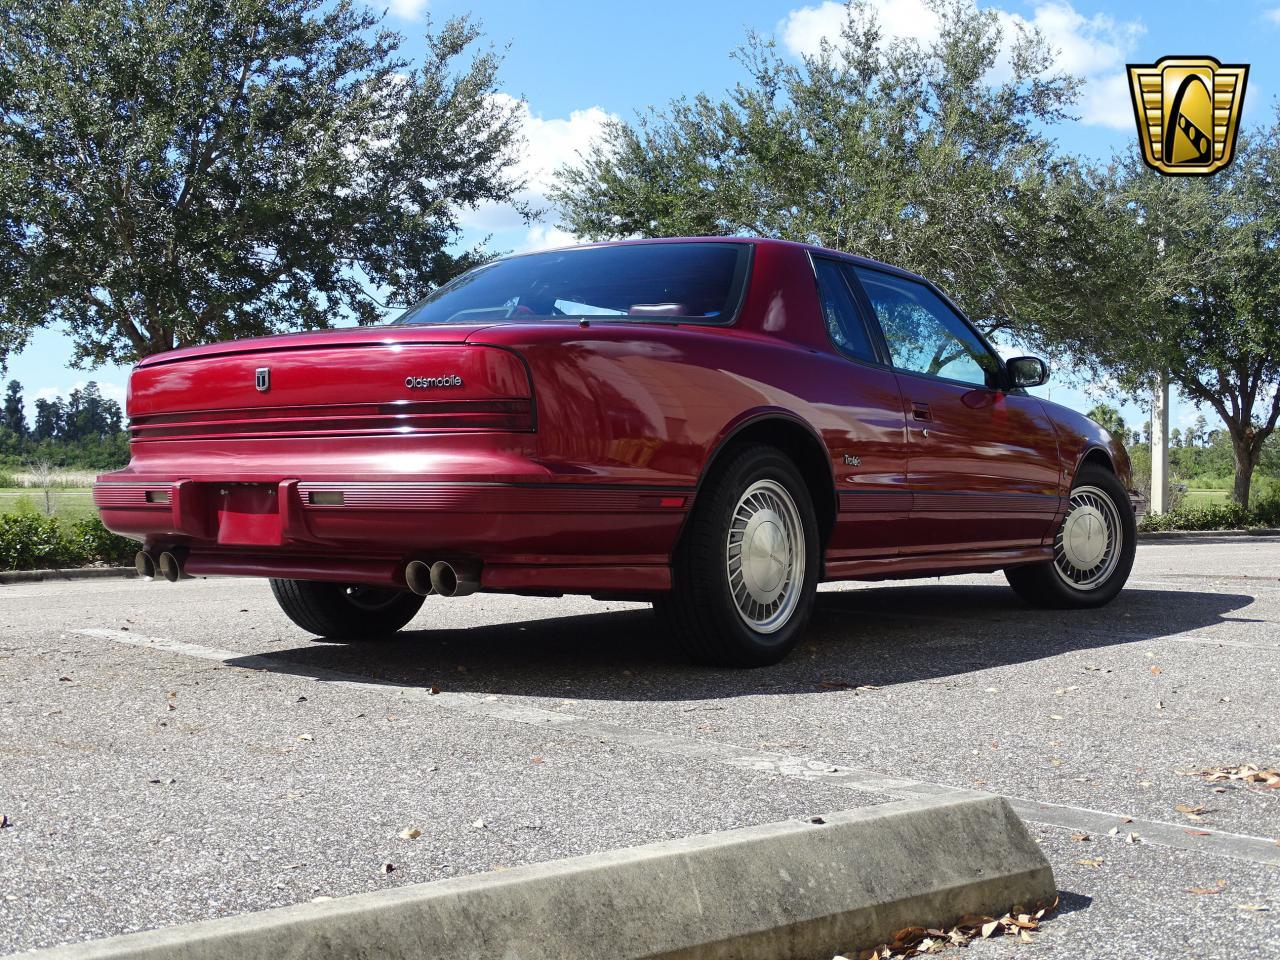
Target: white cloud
1106	102
804	30
550	142
1092	48
544	237
404	9
1273	15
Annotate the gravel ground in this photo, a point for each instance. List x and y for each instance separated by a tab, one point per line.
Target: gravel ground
154	786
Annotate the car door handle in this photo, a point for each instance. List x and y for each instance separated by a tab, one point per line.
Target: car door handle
920	411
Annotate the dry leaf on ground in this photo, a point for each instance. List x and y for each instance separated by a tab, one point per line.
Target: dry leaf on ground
1247	773
1208	891
922	941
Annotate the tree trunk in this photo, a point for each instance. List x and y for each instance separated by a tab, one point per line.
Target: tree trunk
1246	460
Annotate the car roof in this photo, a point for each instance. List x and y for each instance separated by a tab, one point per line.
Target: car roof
751	241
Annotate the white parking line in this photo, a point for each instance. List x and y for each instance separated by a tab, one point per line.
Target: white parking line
1063	816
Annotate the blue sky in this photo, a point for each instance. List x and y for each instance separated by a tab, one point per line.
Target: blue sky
577	62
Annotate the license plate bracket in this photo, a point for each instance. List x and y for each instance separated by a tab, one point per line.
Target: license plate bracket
249	515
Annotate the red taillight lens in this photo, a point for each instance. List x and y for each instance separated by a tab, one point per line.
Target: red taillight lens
510	415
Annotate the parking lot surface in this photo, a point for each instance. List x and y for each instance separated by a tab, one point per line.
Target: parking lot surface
177	752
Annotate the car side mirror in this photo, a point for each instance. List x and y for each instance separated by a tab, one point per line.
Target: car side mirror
1027	371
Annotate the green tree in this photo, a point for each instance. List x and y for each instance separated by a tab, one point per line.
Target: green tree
1183	277
1199	431
14	418
180	171
911	154
1109	417
49	419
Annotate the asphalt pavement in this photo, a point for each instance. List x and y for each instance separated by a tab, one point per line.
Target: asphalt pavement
177	752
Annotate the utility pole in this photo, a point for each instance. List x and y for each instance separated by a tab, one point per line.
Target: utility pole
1160	447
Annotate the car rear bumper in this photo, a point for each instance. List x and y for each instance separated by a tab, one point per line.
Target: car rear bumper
580	537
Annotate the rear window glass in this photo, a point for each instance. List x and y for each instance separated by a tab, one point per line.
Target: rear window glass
666	281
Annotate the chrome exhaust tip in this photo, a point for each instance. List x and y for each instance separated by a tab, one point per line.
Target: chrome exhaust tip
170	565
455	579
145	564
418	577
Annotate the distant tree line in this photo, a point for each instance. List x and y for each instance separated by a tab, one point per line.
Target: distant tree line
83	430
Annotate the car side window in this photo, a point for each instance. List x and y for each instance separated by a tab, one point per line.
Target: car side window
840	311
924	335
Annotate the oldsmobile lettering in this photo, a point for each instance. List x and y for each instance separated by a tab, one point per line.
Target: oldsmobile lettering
428	383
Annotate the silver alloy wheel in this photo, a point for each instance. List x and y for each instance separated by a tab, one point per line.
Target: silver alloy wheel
1087	548
765	556
368	598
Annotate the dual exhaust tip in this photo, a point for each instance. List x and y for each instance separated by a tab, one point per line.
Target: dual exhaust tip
443	578
169	565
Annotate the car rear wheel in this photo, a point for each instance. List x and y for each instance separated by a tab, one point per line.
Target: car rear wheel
346	612
1092	552
746	570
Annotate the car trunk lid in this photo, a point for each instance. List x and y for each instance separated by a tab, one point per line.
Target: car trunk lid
369	381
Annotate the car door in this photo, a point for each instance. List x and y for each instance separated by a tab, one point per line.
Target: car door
864	426
982	462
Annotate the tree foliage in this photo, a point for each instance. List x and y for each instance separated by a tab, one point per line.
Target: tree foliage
1109	417
1183	279
14	417
931	157
180	171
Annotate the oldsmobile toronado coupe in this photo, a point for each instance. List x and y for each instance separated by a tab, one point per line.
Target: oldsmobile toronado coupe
715	426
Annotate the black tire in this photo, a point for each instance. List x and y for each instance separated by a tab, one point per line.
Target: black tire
1043	585
337	611
700	611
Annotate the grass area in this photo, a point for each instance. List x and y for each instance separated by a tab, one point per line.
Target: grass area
1205	498
66	504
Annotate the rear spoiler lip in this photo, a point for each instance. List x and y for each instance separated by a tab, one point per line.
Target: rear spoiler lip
381	336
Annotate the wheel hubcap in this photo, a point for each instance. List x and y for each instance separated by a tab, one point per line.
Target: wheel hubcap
1087	548
765	556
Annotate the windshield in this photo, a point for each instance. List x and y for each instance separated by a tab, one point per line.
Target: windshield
689	281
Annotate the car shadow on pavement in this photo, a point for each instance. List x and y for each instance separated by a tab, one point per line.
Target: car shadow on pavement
879	637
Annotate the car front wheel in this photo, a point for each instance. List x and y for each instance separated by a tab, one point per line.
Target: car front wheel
345	612
1092	552
746	569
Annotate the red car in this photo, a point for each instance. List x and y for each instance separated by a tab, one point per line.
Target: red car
712	425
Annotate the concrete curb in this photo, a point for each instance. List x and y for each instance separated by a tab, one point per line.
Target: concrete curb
1155	536
75	573
783	891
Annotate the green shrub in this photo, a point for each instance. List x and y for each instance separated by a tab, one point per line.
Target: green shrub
32	542
29	541
1264	512
8	479
96	544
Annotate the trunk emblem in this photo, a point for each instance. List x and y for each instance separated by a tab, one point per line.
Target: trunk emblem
427	383
262	379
